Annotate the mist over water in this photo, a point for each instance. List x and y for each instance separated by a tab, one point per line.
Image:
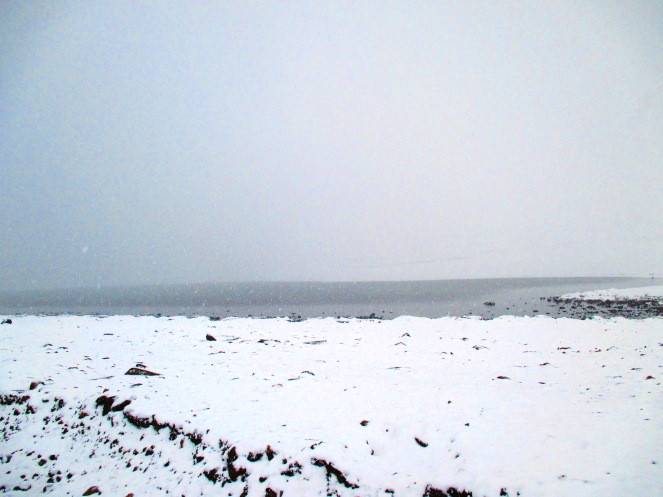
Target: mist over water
512	296
161	142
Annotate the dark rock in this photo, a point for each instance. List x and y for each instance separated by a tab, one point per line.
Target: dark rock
331	470
489	303
35	384
232	455
364	422
214	318
254	457
92	491
140	372
106	403
235	473
137	421
210	338
9	399
450	492
6	321
423	444
121	406
292	470
196	438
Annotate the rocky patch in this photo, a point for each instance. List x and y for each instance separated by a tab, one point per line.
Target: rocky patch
627	308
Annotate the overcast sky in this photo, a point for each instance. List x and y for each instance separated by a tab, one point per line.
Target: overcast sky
157	142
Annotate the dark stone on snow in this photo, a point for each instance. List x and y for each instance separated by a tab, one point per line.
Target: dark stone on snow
92	491
106	403
140	372
121	406
6	321
420	442
8	400
292	470
235	473
196	438
210	338
489	303
450	492
331	470
213	475
137	421
254	457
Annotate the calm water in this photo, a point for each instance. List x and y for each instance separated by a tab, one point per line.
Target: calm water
514	296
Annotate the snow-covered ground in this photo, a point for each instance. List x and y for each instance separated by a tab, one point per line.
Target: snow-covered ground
617	294
539	406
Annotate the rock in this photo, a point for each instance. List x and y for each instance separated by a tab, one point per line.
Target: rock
141	372
210	338
364	422
35	384
254	457
121	406
106	403
489	303
332	470
92	491
6	321
449	492
420	442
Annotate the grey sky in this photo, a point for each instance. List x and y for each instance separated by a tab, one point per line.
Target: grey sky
150	142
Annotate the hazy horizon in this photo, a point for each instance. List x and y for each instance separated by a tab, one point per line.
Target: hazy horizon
167	142
164	285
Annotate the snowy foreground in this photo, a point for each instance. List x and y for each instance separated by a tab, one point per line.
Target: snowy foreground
535	406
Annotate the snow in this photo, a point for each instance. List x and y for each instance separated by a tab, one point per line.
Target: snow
618	294
538	406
